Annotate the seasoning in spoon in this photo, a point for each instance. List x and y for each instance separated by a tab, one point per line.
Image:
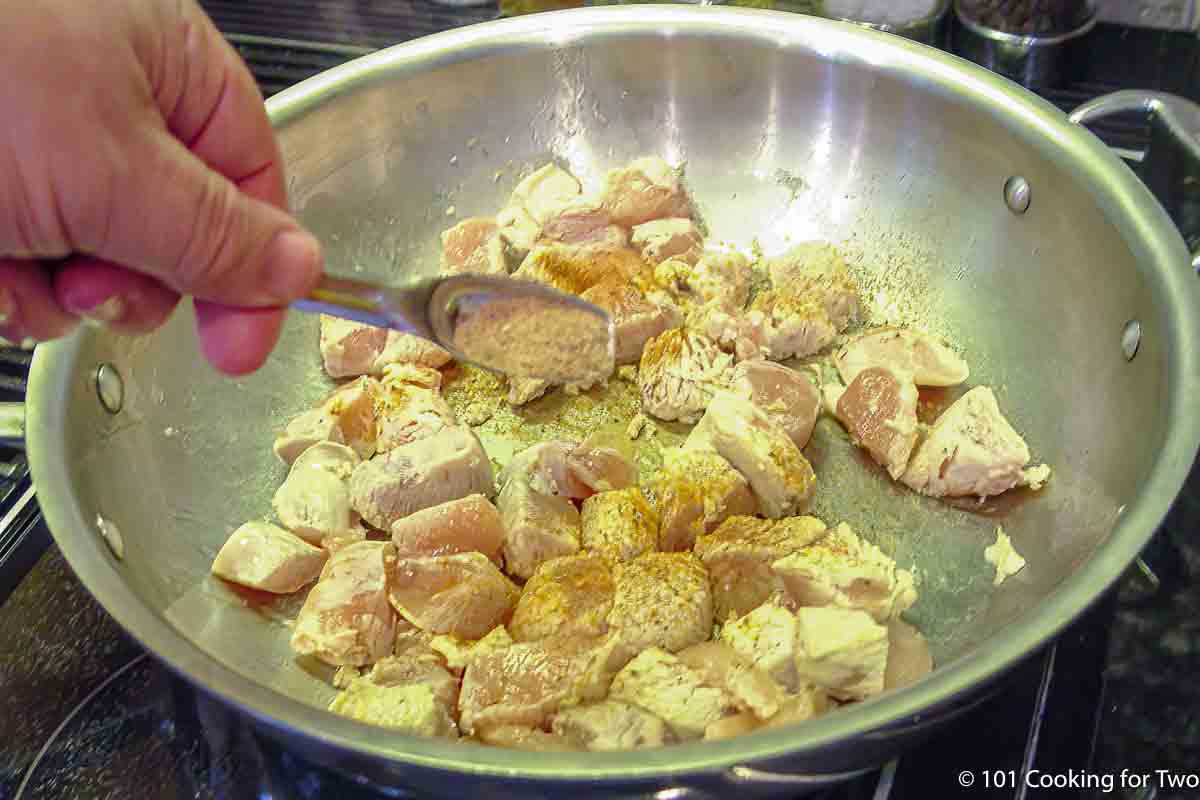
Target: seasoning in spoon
559	340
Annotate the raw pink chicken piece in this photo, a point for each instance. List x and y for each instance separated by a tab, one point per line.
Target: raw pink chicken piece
462	595
661	600
528	682
405	348
428	472
668	238
679	373
909	658
879	409
469	524
907	352
972	450
474	245
352	348
816	271
346	416
739	555
583	224
314	504
266	557
569	596
694	492
537	527
636	318
346	618
793	326
721	666
543	466
593	467
743	434
788	397
645	190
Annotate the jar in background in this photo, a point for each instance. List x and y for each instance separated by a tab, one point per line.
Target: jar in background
919	20
1028	17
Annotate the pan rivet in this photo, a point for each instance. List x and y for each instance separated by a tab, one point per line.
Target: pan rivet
110	388
1131	339
1017	194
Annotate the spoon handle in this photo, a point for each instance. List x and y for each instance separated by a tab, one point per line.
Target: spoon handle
352	299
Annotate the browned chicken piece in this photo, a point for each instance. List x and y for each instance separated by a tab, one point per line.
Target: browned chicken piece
526	683
407	413
268	558
793	326
662	239
443	467
569	596
972	450
474	245
618	525
456	653
926	360
526	390
411	709
575	269
636	318
413	668
717	278
351	348
694	492
816	271
662	684
879	410
346	416
583	224
739	555
909	658
679	373
766	637
523	737
648	189
468	524
844	571
546	193
463	595
346	618
610	725
751	688
662	600
757	447
788	397
537	527
842	651
594	467
734	331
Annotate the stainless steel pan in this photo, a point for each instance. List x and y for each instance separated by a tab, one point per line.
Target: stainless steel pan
789	127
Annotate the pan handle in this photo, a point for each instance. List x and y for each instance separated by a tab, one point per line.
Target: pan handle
1171	166
12	425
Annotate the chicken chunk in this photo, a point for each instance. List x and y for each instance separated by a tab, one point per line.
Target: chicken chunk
817	272
346	417
464	594
739	555
474	245
636	318
662	684
751	688
545	193
583	224
610	725
734	331
694	492
526	390
719	278
757	447
469	524
662	239
407	413
526	683
842	651
543	466
538	527
336	459
570	596
766	637
662	600
793	326
268	558
972	450
351	348
788	397
346	618
407	348
679	374
594	467
413	709
843	571
518	230
523	737
456	653
648	189
314	504
908	659
909	352
879	409
443	467
618	525
575	269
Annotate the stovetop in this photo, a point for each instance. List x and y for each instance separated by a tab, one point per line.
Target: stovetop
87	713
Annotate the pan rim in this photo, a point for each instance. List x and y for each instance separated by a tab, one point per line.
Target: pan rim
1128	204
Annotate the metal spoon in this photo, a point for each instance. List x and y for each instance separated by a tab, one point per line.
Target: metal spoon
432	308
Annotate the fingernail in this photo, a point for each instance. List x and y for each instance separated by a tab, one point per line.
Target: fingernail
293	263
111	310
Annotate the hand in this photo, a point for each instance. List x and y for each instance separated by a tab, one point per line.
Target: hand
137	164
